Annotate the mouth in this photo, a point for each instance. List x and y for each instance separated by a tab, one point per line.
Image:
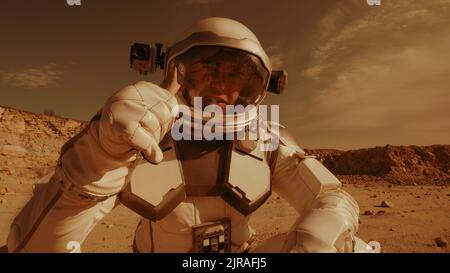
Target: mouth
217	101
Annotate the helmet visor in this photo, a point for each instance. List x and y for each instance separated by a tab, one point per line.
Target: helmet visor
221	76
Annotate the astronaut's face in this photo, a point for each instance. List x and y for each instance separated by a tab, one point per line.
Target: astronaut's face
217	81
222	77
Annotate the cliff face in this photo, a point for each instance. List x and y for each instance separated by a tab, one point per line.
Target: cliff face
399	164
30	144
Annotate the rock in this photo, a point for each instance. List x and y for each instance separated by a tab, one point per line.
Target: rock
13	150
3	190
2	110
17	126
110	226
391	229
71	123
386	204
413	210
381	212
389	186
418	196
374	196
2	201
369	212
441	242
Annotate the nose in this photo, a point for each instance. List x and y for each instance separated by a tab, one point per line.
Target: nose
217	84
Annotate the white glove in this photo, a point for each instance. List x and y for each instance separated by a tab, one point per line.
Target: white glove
137	117
133	120
330	225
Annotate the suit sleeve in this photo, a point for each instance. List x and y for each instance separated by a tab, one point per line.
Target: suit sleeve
328	215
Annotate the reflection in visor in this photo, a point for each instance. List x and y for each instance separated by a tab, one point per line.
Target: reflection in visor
222	76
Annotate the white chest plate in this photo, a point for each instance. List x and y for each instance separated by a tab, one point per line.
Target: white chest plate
241	179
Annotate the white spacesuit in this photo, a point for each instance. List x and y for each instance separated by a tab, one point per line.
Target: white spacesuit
200	196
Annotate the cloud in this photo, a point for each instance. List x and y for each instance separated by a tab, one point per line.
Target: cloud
383	74
33	78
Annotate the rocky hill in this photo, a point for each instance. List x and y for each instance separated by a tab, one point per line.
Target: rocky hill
397	164
30	144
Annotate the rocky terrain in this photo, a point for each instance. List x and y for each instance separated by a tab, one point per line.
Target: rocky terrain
30	143
403	165
403	191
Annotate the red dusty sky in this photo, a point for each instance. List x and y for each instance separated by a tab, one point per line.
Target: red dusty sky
359	75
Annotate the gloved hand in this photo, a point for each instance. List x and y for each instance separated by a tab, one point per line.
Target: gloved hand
309	243
133	120
329	226
137	117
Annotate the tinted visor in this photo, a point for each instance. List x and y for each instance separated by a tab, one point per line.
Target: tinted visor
222	76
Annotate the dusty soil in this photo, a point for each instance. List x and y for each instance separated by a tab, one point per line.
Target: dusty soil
414	180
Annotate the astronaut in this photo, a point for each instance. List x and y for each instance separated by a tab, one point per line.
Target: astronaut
194	195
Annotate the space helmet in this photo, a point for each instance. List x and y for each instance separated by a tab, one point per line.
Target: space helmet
221	62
